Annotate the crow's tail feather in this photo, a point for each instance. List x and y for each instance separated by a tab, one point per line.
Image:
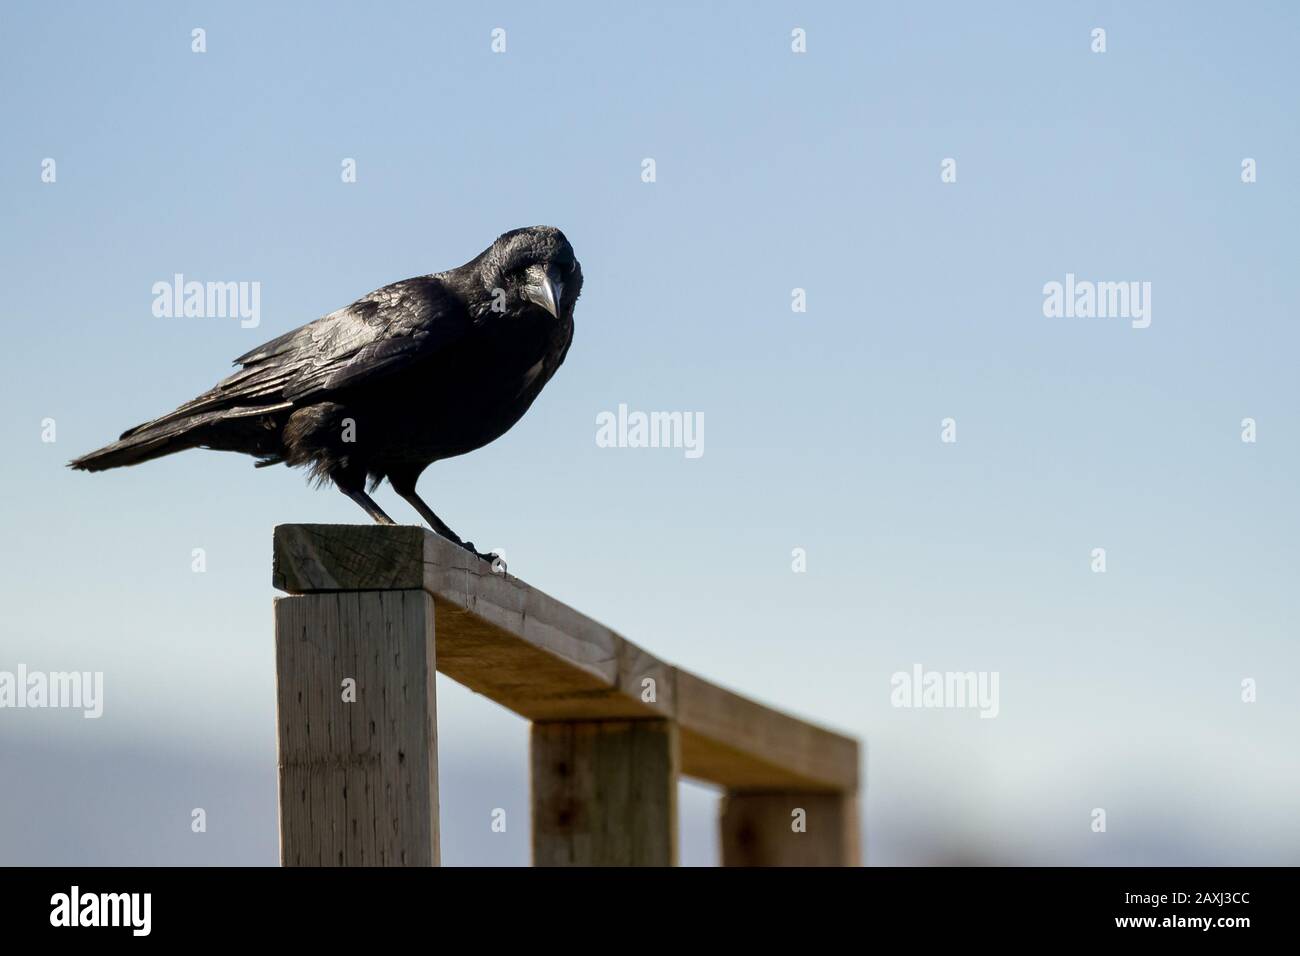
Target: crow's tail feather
223	429
144	443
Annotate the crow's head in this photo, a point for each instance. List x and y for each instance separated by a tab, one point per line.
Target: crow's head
533	265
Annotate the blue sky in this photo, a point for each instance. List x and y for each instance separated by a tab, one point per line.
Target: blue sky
774	171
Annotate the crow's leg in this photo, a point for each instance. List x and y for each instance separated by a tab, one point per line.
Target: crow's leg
369	504
406	489
354	486
403	483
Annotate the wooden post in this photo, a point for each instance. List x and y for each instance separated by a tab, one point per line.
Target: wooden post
358	742
613	725
604	793
789	829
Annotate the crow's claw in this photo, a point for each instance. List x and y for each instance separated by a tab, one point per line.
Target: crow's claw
491	557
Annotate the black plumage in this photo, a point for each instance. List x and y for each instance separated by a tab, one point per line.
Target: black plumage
420	370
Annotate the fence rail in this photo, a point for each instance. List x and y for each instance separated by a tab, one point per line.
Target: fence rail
613	726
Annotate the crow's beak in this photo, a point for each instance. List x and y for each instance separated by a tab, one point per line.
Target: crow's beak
542	291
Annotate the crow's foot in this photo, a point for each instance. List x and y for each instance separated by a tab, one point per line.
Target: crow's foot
491	557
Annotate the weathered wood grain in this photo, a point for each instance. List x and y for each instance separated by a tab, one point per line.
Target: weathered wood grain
546	661
759	829
604	793
358	781
743	745
310	558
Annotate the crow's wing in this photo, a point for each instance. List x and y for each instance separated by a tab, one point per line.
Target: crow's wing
374	336
378	334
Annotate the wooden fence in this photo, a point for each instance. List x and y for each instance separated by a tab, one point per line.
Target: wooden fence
613	727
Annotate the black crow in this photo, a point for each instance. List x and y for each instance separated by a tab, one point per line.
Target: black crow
420	370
